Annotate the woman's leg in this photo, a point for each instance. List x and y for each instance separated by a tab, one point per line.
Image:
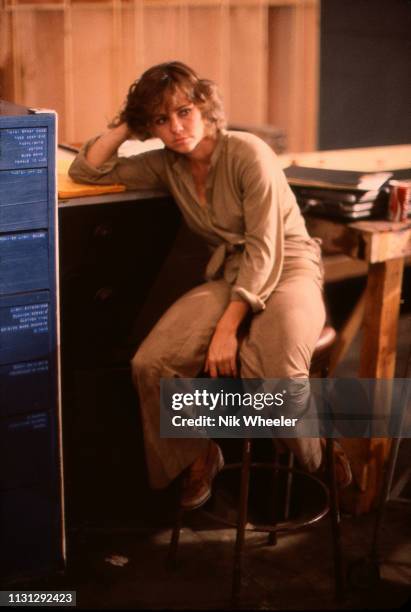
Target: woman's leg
175	347
282	338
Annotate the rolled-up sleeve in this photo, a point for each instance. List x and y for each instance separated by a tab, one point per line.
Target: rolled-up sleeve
264	189
143	171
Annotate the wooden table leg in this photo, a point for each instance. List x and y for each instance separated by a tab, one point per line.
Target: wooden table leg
380	324
377	360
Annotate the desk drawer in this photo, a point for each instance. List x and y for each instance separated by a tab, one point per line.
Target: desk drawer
24	327
110	257
23	199
24	264
25	387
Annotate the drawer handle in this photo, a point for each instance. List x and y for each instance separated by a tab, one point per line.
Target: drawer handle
103	231
104	294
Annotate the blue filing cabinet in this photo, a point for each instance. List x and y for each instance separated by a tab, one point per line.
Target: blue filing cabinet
31	496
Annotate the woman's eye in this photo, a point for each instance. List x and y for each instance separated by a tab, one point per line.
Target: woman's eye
185	111
160	121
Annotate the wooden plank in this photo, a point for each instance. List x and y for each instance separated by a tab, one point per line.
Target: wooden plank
248	65
371	241
44	86
383	293
165	34
68	70
33	49
336	237
278	83
40	4
341	267
364	159
132	47
309	73
293	59
93	104
383	244
6	55
377	360
213	64
347	334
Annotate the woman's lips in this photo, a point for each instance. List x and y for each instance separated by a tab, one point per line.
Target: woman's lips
181	140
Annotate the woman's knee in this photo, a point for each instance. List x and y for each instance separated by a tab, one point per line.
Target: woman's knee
144	364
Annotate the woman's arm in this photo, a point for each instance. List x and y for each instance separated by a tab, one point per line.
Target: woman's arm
107	144
267	204
222	353
98	163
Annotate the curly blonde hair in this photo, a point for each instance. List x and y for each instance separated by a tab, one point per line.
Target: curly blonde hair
148	93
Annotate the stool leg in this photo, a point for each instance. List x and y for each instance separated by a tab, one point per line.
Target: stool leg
241	520
175	535
272	536
289	485
339	572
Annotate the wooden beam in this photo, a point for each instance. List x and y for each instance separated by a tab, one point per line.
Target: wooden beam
341	267
383	293
347	334
370	241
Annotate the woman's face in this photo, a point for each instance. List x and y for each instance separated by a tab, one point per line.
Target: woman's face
179	123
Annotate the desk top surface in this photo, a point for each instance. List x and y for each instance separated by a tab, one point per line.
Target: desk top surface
363	159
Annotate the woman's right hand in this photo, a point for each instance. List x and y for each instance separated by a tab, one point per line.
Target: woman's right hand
221	357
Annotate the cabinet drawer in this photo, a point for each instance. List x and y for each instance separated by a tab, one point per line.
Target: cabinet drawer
24	327
24	262
30	531
23	147
25	450
23	199
25	387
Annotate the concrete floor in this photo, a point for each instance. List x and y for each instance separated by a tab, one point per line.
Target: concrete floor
122	566
296	574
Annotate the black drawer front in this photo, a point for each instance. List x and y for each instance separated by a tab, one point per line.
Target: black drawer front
24	262
24	327
26	452
110	257
23	147
23	199
25	387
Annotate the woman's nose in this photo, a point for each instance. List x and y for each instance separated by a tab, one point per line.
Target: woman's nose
175	125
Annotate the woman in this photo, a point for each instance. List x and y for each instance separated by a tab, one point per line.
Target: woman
264	266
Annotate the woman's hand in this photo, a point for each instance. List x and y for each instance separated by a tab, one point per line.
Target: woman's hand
221	357
222	354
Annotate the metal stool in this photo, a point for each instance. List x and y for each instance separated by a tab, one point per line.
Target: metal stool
319	368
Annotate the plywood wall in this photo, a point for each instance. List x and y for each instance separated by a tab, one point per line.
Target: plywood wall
80	56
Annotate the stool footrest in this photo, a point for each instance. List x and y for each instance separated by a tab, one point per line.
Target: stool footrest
281	526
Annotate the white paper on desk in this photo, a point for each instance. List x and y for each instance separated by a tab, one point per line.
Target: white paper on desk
134	147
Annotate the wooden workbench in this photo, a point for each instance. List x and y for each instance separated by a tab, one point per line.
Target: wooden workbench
382	247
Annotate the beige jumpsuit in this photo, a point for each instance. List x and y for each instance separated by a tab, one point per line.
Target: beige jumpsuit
261	253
